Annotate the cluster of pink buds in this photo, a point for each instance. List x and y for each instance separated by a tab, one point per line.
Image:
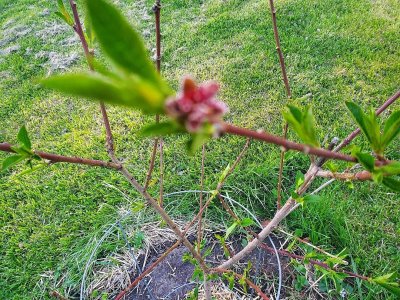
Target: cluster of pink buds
196	105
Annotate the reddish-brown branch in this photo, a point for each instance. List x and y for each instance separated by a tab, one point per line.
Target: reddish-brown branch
157	9
280	175
278	48
238	276
219	186
161	197
55	158
89	58
151	166
78	29
288	92
273	139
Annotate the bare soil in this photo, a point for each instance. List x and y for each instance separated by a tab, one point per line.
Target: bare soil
172	278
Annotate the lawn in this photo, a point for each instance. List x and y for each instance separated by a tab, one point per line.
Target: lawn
335	50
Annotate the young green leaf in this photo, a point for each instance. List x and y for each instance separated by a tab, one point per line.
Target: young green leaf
23	138
162	129
131	91
11	161
368	125
120	41
299	179
312	198
89	33
246	222
33	169
23	151
63	13
392	183
199	138
309	126
388	282
230	229
367	160
392	128
303	124
390	169
224	173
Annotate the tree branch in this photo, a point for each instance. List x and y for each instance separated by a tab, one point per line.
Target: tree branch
55	158
361	176
273	139
238	276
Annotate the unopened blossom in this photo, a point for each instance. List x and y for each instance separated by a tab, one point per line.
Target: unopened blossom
196	105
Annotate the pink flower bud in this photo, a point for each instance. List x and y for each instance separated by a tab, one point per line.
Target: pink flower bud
195	105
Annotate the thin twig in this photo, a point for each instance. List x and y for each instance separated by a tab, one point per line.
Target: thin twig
280	174
273	139
289	94
199	232
89	58
151	166
361	176
161	197
279	141
219	185
238	276
56	158
278	48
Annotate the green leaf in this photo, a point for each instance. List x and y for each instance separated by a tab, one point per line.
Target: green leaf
131	91
89	33
309	127
392	183
120	41
199	138
368	125
386	281
63	13
23	137
299	179
11	161
302	123
31	170
296	113
23	151
161	129
359	117
392	128
230	230
224	173
312	198
390	169
367	160
332	166
246	222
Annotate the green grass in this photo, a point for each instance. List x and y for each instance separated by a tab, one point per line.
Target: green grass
335	51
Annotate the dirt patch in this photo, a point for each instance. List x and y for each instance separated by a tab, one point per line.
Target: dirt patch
172	278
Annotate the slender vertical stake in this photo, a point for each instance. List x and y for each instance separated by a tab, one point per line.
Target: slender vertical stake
89	58
288	92
199	232
157	9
